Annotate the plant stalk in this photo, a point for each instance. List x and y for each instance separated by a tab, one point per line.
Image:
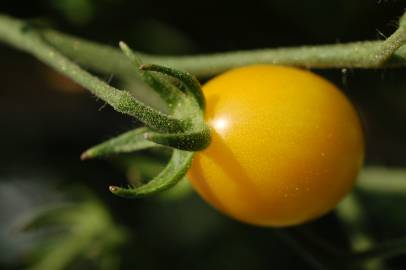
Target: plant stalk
367	54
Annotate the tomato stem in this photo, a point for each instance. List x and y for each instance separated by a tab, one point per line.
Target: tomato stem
182	129
366	54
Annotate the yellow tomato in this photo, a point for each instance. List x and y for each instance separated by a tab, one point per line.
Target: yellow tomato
286	145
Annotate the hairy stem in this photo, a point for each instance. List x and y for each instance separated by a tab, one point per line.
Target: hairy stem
367	54
26	38
349	55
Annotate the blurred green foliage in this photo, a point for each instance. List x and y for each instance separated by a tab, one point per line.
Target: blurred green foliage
85	235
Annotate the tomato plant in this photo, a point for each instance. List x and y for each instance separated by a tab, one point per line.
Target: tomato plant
268	145
286	145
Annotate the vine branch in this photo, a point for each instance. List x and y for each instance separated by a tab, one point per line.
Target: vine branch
26	38
367	54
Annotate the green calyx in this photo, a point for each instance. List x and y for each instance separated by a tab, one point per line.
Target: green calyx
183	129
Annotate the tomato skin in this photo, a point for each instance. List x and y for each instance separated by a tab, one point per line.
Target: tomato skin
286	146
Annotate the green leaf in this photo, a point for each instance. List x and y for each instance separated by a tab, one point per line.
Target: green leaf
89	234
49	216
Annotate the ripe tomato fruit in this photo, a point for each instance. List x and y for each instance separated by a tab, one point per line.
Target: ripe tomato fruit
286	145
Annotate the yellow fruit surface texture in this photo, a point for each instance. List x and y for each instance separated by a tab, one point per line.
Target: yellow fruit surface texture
286	145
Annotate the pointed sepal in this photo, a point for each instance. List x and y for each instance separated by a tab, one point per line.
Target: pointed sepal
130	141
189	141
174	171
190	81
164	88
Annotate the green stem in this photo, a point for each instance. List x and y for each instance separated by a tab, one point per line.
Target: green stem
367	54
384	250
24	37
20	35
349	55
351	214
382	180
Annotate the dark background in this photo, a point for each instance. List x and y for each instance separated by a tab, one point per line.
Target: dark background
47	121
